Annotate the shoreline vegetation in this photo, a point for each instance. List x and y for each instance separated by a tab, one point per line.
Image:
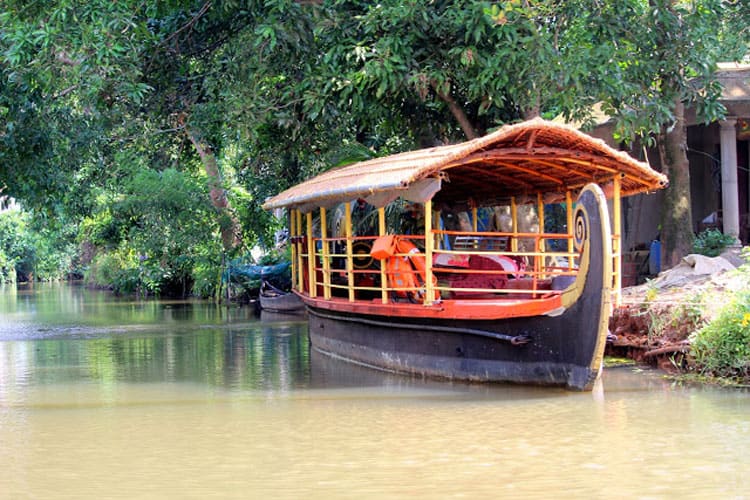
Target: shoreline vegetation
691	321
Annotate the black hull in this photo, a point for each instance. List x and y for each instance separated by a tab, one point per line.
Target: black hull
277	301
290	304
551	358
564	350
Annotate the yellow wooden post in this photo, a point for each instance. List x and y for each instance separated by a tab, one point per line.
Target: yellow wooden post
541	247
514	224
292	242
540	210
300	260
349	250
325	252
429	243
569	214
616	240
383	275
475	219
439	240
311	256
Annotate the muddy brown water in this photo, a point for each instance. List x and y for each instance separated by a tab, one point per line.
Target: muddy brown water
103	397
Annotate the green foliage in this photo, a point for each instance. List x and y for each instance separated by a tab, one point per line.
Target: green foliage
118	270
723	347
154	236
16	245
30	251
712	242
55	252
102	229
97	100
206	273
275	256
664	52
92	47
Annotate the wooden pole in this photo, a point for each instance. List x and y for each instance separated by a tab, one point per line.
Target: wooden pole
311	256
542	244
383	275
616	239
325	252
349	250
514	224
293	243
429	243
569	215
300	261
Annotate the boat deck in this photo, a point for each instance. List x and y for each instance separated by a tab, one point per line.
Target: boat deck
477	308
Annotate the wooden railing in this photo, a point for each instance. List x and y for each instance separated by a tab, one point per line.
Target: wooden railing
342	267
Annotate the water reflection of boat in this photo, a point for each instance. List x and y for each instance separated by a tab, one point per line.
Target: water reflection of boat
504	304
275	300
331	373
285	317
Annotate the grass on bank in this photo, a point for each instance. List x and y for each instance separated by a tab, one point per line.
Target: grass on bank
718	322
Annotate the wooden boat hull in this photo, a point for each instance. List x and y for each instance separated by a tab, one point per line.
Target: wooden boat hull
564	347
290	304
274	300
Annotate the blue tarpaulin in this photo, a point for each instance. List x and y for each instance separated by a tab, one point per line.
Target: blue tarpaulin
236	272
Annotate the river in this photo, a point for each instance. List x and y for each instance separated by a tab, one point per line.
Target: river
104	397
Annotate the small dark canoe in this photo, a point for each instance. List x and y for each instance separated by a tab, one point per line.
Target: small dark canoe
274	300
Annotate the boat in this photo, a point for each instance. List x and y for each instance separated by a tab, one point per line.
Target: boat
275	300
514	301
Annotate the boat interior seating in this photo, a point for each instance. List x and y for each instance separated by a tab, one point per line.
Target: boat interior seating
480	266
474	267
497	243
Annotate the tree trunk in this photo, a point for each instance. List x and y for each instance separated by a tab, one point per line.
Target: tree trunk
230	231
458	112
535	109
676	220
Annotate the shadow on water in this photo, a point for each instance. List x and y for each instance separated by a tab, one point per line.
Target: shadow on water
330	373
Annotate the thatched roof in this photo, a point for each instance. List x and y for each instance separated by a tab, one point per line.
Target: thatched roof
536	156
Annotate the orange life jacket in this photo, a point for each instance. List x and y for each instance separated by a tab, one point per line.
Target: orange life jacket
407	273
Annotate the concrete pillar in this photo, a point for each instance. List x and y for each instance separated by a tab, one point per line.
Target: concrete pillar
730	205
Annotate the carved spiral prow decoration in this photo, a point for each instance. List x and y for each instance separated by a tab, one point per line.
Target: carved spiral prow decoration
580	229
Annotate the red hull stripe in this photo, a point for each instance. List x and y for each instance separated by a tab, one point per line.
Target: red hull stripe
447	309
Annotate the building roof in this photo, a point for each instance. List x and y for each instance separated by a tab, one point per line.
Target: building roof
536	156
735	78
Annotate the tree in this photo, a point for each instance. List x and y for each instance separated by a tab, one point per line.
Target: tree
487	64
63	63
666	60
258	95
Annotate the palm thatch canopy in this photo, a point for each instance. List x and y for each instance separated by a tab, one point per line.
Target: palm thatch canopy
525	159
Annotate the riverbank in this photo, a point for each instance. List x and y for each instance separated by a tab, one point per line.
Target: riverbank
657	321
